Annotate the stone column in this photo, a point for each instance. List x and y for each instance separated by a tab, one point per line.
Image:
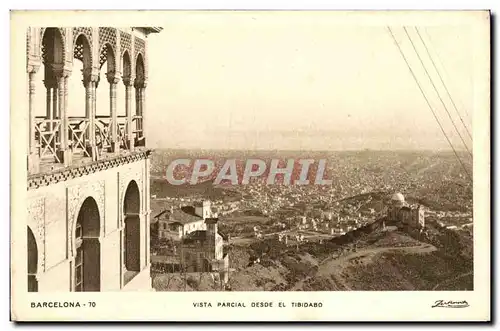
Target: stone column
54	114
50	85
33	159
113	81
138	112
140	93
148	237
89	83
143	241
70	141
48	99
128	112
64	152
55	100
147	206
143	113
94	121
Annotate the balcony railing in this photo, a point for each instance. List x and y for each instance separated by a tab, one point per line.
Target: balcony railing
78	135
48	135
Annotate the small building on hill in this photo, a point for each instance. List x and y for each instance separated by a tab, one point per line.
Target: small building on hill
400	213
203	250
177	223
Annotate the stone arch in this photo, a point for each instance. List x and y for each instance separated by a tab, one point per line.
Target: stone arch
132	198
89	218
140	73
53	54
139	84
87	264
77	195
32	261
132	233
53	46
126	66
107	55
82	50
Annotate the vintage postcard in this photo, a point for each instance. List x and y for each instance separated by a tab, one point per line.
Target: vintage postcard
250	166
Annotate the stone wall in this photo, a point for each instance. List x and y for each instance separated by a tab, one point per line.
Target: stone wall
52	215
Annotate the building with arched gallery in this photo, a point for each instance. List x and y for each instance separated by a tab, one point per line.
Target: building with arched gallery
88	164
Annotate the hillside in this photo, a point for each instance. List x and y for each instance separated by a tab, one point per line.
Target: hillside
378	261
381	260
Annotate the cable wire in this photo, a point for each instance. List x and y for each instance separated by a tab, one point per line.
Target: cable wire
437	92
428	103
467	116
442	82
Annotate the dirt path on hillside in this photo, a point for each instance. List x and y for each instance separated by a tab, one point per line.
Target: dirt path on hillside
334	265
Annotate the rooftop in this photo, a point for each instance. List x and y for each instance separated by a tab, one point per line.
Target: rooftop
211	220
150	29
184	215
398	197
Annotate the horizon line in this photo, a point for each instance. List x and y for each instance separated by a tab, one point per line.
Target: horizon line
303	150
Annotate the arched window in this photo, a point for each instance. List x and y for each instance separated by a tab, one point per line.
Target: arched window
78	98
47	132
87	266
32	262
132	234
139	90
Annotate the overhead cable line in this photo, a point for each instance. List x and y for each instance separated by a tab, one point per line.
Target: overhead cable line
446	73
437	92
428	103
442	81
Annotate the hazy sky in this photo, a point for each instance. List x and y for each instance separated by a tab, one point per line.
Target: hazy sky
288	81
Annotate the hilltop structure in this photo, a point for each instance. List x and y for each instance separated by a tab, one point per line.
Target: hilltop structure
88	181
184	220
399	212
201	243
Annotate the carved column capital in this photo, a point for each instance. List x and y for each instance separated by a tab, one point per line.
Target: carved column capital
61	73
50	82
140	82
88	79
129	81
113	78
32	68
90	75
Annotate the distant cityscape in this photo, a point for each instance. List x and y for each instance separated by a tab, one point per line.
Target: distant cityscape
364	186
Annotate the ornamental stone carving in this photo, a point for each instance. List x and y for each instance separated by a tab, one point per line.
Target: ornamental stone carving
128	174
53	202
45	179
76	196
36	222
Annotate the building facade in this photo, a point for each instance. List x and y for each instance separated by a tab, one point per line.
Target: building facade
399	212
203	250
179	222
88	176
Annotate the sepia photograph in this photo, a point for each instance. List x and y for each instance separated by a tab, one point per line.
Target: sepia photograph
320	154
